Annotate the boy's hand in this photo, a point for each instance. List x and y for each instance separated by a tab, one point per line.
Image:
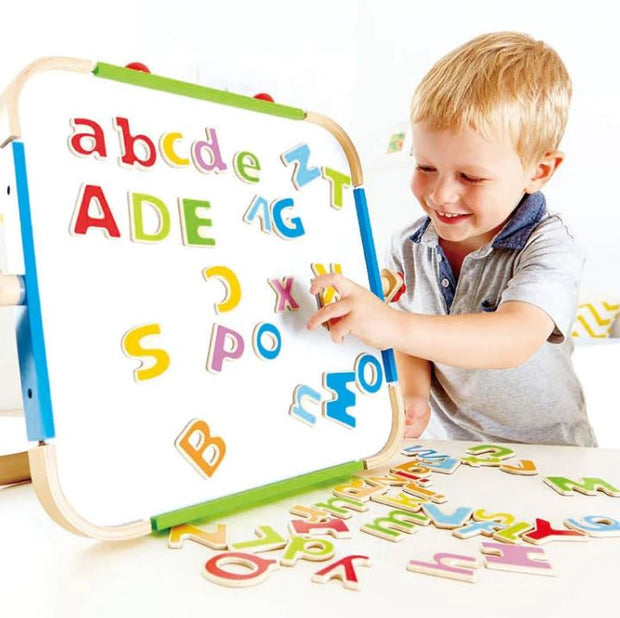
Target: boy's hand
417	416
359	312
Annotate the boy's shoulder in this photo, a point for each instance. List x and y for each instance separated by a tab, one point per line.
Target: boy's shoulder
552	230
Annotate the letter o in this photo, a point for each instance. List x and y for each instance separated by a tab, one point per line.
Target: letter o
361	363
265	329
256	569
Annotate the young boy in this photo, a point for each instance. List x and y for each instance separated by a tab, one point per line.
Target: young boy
483	337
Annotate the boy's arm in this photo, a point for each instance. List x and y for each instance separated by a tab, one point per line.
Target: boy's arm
505	338
414	377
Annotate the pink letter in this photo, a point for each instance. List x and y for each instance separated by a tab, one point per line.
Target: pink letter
217	350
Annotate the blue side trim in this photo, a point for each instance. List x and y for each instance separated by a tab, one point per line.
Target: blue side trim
374	277
30	342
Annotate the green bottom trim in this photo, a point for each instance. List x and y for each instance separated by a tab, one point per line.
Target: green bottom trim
227	505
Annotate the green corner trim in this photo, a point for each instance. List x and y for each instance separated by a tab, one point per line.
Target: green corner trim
219	507
157	82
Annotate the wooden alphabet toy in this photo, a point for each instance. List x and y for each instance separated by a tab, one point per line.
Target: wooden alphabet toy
218	539
381	509
595	525
161	239
586	486
452	566
343	570
522	559
254	569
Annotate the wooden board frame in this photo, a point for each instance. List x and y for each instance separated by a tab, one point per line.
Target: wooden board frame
41	458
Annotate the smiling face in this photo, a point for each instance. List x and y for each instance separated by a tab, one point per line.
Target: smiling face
467	184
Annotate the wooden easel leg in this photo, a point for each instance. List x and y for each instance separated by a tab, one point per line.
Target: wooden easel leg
14	468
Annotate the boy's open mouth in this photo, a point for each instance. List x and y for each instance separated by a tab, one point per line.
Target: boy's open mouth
449	217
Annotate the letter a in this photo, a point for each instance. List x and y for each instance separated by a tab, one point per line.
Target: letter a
82	219
86	144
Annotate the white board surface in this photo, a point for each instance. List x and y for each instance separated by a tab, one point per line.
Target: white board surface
115	435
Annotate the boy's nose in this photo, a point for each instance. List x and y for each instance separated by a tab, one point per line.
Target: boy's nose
441	193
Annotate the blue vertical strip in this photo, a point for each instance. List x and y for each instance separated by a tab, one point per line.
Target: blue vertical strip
374	277
30	342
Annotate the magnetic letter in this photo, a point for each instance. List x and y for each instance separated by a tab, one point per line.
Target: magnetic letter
231	284
359	490
284	294
192	224
329	295
218	351
343	570
128	143
268	540
337	182
587	486
336	408
595	525
273	334
204	453
401	501
82	219
301	548
211	145
452	566
336	527
391	527
376	380
295	227
131	345
444	520
302	174
258	569
86	144
297	409
218	539
515	558
543	533
259	206
341	507
244	161
136	214
167	151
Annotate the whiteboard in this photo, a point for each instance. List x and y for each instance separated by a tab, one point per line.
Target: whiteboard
176	259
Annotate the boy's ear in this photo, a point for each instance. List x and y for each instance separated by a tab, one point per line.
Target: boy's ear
544	169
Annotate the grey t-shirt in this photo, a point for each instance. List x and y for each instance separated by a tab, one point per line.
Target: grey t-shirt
533	259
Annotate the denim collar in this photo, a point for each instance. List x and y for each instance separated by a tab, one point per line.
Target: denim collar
525	217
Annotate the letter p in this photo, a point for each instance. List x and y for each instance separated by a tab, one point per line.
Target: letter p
225	344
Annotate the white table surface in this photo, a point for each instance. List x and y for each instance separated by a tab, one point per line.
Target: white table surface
46	571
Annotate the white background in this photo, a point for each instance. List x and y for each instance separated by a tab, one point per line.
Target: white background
358	62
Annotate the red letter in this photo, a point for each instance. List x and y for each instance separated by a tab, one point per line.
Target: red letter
95	140
342	569
543	533
128	142
82	219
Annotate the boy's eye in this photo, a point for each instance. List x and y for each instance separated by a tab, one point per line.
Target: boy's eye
471	179
425	168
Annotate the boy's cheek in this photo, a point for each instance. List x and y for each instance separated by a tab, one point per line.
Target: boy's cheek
418	187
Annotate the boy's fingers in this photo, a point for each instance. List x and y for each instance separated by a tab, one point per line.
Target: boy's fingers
329	312
340	329
341	284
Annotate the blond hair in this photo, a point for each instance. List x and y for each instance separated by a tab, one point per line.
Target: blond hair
503	80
